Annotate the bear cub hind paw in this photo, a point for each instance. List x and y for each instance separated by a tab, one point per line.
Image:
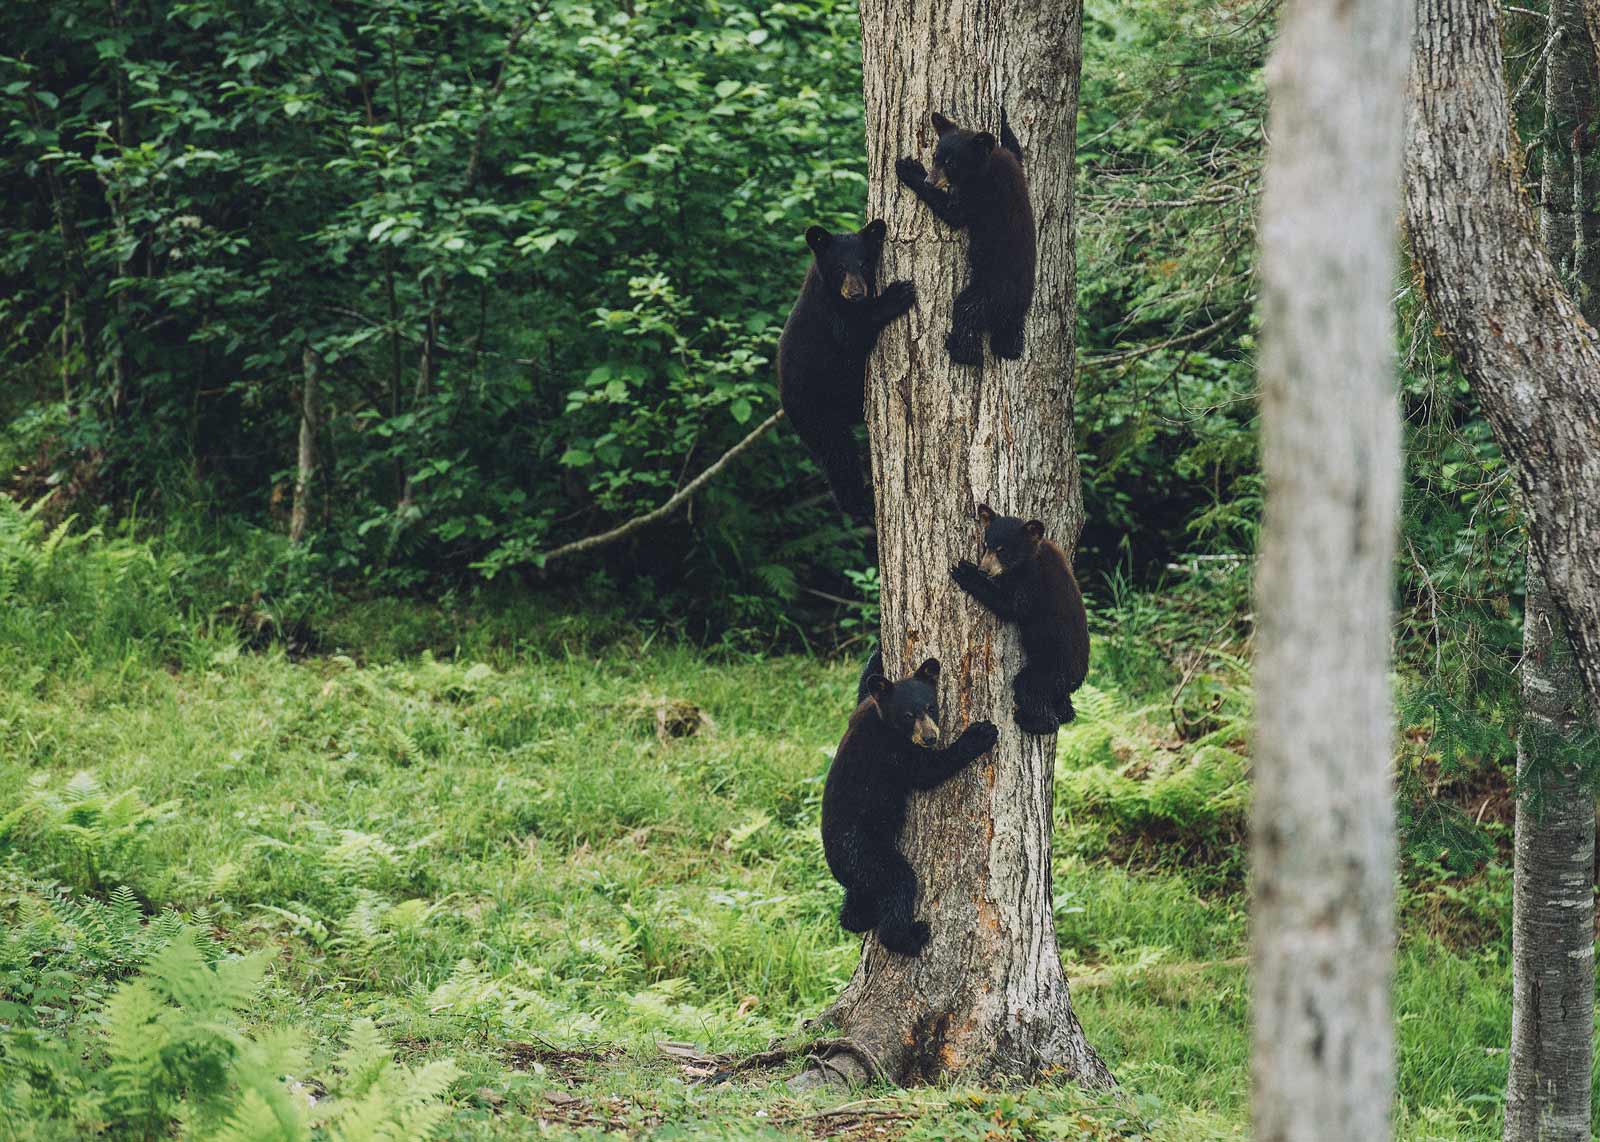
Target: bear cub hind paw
1031	722
858	914
964	349
906	941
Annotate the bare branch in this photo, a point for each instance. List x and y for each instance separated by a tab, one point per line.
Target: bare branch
622	531
1217	326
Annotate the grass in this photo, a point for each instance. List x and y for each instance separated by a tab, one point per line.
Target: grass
500	860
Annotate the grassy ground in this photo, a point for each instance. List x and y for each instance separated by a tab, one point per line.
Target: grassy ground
504	861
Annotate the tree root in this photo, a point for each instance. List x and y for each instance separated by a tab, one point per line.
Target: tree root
838	1062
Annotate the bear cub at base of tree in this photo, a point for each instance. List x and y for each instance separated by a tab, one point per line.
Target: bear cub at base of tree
1027	579
886	753
822	355
988	195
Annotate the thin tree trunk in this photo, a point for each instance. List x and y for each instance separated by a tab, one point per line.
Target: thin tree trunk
306	468
1552	927
1552	924
988	995
1323	819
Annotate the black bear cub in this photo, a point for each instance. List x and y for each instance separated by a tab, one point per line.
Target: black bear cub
988	194
1026	579
886	753
822	355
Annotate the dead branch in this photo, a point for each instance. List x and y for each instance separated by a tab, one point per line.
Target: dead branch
1181	339
683	495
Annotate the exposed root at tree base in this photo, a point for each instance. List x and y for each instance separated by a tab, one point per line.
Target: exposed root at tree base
928	1050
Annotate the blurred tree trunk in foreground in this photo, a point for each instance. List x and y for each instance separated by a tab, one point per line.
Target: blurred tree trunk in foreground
1323	820
988	995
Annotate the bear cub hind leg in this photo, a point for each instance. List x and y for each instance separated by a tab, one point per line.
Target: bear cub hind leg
860	912
898	928
1035	711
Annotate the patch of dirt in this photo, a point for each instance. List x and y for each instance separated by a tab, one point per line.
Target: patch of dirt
571	1066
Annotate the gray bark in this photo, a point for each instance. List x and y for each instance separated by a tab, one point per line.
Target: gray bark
306	463
1322	826
1517	334
1552	933
1552	925
988	995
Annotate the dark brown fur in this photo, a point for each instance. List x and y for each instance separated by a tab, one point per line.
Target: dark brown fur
822	355
1027	579
988	196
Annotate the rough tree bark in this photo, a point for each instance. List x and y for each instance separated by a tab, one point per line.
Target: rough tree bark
306	464
1534	363
1533	360
1323	829
1552	927
988	995
1552	924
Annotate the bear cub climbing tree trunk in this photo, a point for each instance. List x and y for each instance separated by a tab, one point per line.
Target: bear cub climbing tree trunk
988	995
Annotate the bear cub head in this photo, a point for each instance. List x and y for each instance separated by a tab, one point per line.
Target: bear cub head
909	707
1008	542
961	156
848	263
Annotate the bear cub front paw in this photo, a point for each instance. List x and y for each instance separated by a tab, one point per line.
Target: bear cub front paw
968	576
911	171
899	297
979	738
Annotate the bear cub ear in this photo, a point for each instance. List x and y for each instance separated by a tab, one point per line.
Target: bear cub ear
818	238
984	141
985	514
875	230
1035	529
878	686
929	671
942	125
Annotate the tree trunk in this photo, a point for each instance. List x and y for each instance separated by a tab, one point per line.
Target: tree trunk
306	468
1323	818
1552	927
1552	923
1534	363
1532	359
988	995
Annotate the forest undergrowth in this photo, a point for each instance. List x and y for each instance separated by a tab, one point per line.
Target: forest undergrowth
502	872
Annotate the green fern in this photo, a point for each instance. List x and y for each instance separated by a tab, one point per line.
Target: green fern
93	837
375	1098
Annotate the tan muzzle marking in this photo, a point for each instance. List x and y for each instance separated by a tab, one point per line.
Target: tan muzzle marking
926	732
989	564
